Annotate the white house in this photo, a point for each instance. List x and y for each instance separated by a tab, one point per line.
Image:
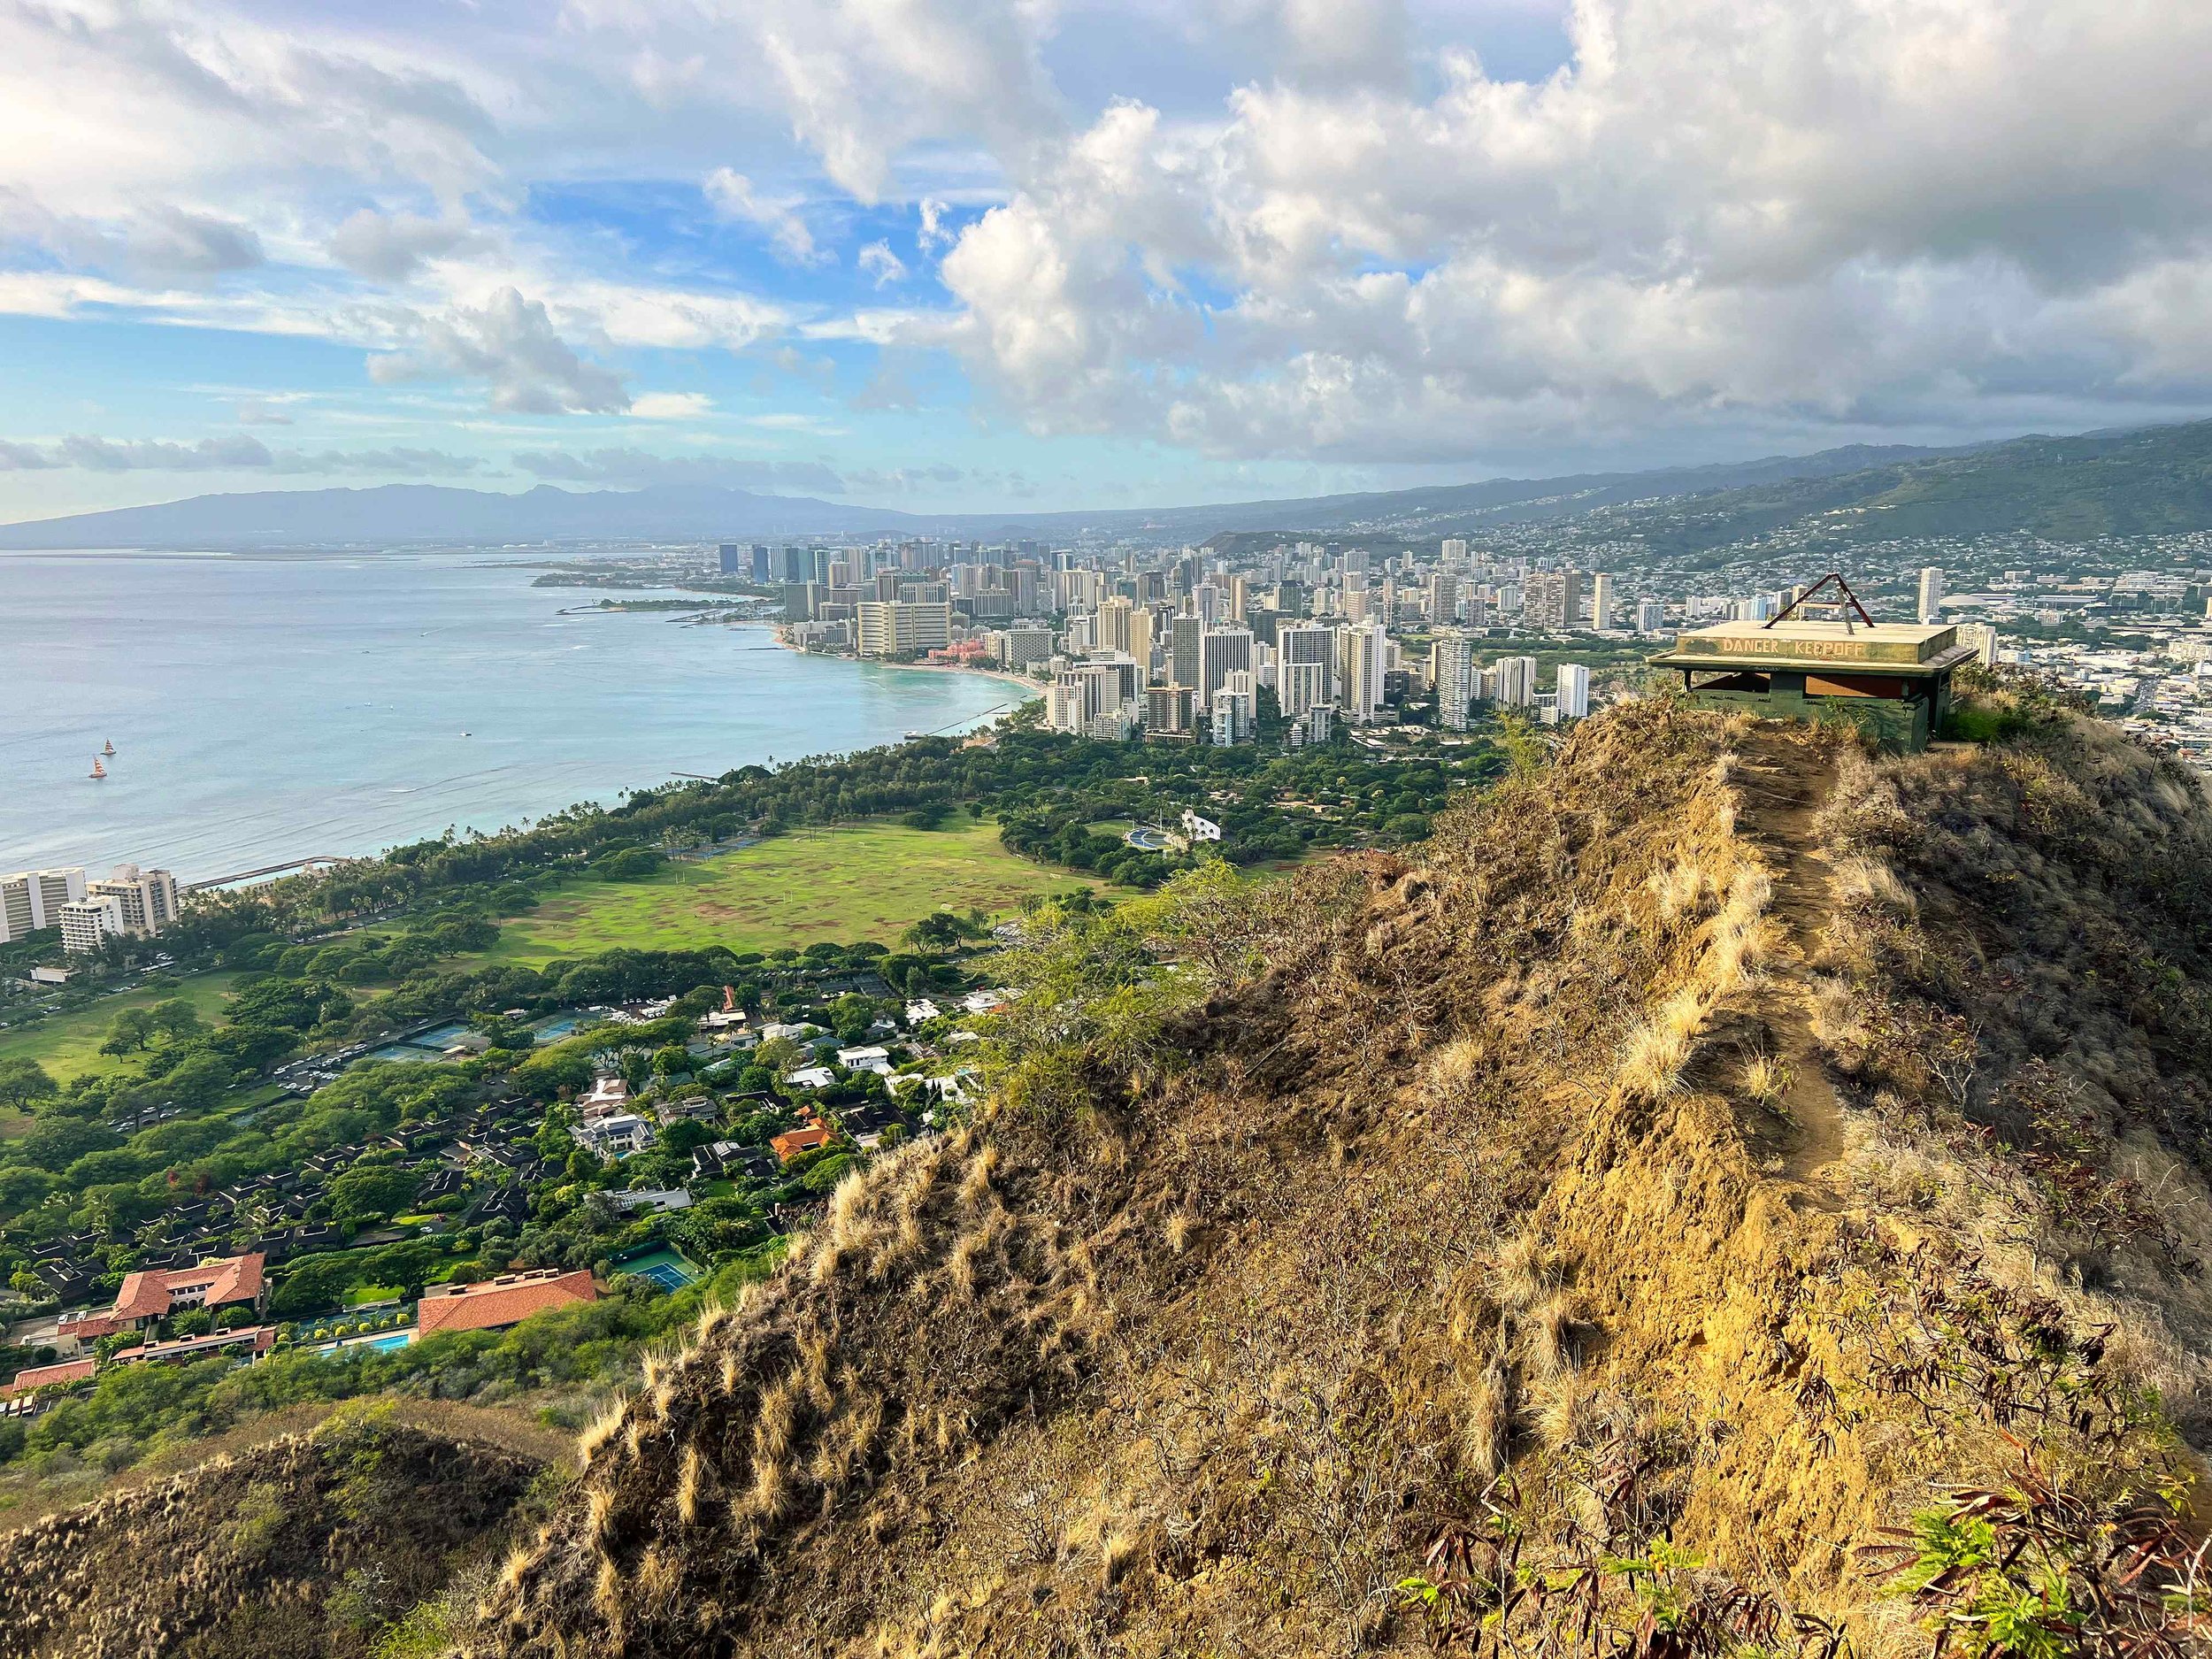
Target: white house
989	1000
659	1203
868	1059
617	1135
919	1010
811	1077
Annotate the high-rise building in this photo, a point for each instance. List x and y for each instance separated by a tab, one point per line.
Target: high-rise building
1185	635
760	563
1454	553
897	628
1983	639
1235	709
1306	674
32	899
1019	647
86	922
1441	601
1167	712
1651	616
1573	701
1221	652
1517	681
1552	599
147	899
731	564
1452	668
1364	658
1931	594
1601	602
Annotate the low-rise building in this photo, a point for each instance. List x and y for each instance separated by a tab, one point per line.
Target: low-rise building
615	1135
798	1142
496	1303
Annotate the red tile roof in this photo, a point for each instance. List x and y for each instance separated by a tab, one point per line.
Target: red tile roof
149	1296
46	1376
260	1337
501	1301
791	1143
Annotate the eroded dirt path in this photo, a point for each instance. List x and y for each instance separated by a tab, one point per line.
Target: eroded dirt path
1784	781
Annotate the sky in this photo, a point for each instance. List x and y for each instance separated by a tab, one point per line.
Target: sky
968	255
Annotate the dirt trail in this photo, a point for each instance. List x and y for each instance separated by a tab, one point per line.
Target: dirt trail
1783	783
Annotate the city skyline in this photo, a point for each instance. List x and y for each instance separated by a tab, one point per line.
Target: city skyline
980	257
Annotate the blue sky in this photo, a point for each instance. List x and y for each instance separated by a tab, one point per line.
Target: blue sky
967	254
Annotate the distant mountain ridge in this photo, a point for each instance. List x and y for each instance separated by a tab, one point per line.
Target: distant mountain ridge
423	513
2144	480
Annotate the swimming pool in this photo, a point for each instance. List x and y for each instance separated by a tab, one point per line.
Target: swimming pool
383	1343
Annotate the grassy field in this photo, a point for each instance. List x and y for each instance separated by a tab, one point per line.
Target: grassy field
855	882
70	1044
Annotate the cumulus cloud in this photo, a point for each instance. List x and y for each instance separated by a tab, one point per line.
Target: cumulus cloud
1870	214
235	453
631	468
510	345
161	242
393	247
732	195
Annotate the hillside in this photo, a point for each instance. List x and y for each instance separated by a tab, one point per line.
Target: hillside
309	1545
2153	481
1713	1158
1705	1154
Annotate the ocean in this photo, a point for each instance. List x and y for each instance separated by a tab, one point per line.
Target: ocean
265	709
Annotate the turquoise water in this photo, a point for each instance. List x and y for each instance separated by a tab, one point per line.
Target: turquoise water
267	709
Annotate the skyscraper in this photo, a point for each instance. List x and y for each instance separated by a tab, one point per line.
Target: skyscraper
1365	659
1452	666
1552	599
1601	602
731	564
1307	672
1441	600
1184	635
1517	681
1222	652
1574	691
1931	594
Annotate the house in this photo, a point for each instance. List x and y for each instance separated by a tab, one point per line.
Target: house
730	1158
69	1371
257	1340
497	1303
919	1010
868	1059
989	1000
698	1109
866	1124
798	1033
658	1204
618	1134
793	1142
811	1077
148	1295
606	1094
721	1019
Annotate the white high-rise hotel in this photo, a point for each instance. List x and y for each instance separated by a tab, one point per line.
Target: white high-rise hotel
32	899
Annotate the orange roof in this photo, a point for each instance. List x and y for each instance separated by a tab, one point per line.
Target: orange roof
46	1376
503	1300
791	1143
148	1295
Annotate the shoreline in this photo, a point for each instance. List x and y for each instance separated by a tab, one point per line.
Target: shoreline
1029	685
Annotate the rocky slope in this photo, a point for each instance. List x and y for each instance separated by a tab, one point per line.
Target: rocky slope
312	1544
1709	1152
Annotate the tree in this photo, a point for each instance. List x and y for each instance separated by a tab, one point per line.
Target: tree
199	1081
176	1017
131	1031
672	1062
370	1192
23	1081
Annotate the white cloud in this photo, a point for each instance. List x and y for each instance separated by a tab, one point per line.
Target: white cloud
510	345
732	195
393	247
878	261
672	405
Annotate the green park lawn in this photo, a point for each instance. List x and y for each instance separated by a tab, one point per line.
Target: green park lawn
69	1044
852	882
